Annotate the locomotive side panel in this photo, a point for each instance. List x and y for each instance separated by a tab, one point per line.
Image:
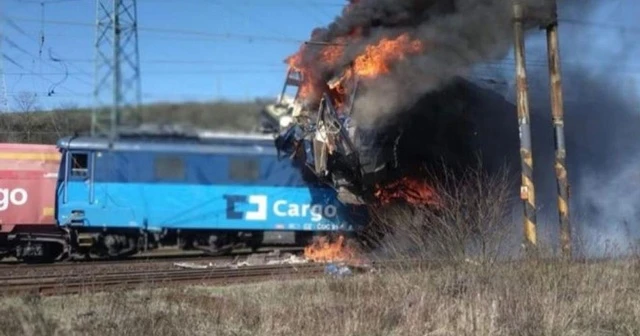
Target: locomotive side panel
144	190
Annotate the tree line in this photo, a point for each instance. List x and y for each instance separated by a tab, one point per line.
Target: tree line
29	123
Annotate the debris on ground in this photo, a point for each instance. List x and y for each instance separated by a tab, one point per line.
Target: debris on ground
258	259
191	265
337	270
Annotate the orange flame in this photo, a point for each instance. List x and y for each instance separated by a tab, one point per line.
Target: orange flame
331	54
322	250
376	59
413	191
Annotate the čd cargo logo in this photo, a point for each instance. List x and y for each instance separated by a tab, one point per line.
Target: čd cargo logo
255	208
17	196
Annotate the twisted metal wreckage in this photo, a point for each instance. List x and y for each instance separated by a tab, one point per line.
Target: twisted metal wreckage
326	140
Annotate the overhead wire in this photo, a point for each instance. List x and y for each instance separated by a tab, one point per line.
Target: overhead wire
168	72
30	72
600	25
285	39
53	54
270	3
186	32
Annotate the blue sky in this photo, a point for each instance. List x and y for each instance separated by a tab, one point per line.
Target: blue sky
177	67
173	66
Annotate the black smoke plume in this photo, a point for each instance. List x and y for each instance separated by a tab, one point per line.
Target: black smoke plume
440	115
456	34
602	126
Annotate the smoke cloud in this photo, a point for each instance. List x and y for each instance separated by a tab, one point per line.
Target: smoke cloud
456	34
602	123
441	115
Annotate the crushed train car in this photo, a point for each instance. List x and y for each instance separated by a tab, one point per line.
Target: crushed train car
326	140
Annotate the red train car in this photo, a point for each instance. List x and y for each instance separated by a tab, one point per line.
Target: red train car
28	174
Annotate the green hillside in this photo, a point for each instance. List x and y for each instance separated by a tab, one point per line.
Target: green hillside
47	126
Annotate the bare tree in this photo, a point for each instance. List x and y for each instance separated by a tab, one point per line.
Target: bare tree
26	102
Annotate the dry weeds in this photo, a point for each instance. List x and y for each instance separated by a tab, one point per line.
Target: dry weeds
532	298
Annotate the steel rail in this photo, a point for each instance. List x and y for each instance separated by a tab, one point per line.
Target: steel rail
121	280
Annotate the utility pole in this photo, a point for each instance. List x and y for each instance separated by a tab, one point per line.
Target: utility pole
557	111
527	190
117	92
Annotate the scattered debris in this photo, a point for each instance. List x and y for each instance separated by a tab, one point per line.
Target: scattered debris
191	265
337	271
272	258
291	259
339	267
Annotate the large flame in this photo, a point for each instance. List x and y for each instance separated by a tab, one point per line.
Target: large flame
376	59
407	189
323	250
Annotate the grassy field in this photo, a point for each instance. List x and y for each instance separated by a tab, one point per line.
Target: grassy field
528	298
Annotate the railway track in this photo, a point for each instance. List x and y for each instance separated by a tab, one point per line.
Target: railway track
109	267
166	256
119	279
108	279
82	283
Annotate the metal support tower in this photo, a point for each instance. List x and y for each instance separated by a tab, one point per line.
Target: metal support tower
557	110
117	91
527	189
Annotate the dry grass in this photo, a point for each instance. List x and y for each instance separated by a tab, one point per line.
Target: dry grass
462	299
473	220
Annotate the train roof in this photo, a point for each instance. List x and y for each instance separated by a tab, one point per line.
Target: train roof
27	147
201	141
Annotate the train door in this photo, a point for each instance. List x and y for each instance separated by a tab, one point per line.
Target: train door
78	188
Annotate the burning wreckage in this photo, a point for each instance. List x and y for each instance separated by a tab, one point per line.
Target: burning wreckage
318	131
322	138
354	80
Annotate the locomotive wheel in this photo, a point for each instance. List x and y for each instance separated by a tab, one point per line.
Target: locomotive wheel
118	246
255	242
50	252
217	245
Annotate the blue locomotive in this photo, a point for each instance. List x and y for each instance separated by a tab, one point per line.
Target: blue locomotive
211	192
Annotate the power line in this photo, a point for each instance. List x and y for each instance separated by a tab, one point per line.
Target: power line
259	3
177	72
177	31
195	62
262	3
35	74
33	57
53	54
4	103
46	2
600	25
